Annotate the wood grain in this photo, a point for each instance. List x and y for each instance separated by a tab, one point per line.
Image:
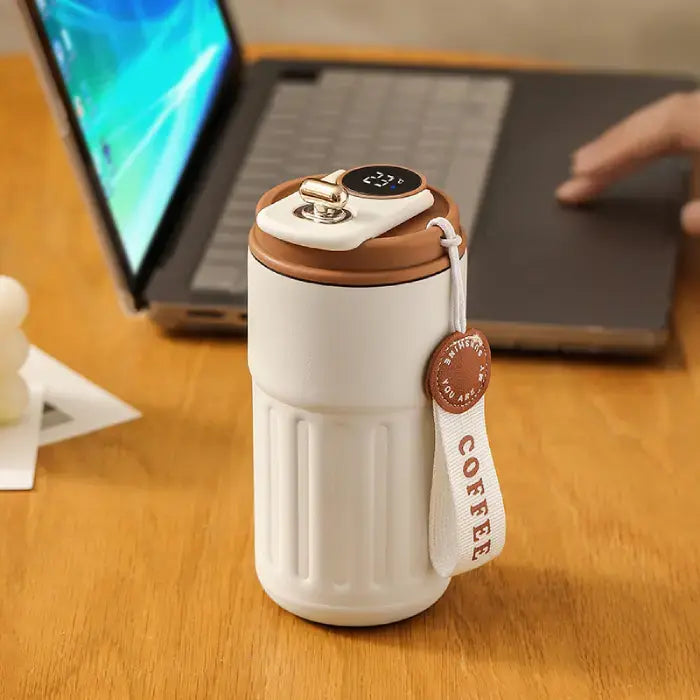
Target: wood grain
128	571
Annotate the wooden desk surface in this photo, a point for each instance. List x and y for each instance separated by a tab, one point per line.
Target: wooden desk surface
128	571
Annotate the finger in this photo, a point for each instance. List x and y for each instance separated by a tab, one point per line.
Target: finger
581	189
668	126
690	218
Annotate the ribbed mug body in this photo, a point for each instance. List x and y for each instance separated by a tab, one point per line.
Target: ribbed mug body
343	444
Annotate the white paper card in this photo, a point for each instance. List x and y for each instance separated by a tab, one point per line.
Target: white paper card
19	443
73	405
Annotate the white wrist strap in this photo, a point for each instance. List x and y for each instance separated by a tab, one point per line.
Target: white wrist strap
467	519
451	241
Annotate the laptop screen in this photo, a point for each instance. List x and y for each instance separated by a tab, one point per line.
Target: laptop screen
141	76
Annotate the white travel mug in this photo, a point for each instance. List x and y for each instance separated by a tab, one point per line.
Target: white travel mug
339	338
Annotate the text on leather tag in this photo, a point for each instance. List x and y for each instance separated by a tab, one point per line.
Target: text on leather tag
459	371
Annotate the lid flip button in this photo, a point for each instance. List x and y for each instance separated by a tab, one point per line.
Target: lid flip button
325	202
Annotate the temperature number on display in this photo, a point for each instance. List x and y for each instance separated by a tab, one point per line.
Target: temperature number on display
382	181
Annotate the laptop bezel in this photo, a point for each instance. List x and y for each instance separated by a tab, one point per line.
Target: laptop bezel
229	84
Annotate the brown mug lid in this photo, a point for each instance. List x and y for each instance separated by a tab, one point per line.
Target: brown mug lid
405	253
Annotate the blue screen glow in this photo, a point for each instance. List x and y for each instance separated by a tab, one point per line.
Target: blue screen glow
141	75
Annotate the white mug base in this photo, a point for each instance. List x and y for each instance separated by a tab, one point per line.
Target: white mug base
339	616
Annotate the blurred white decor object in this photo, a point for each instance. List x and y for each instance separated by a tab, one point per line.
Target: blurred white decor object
14	305
14	348
14	397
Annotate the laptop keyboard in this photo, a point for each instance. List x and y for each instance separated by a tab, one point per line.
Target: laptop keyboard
445	126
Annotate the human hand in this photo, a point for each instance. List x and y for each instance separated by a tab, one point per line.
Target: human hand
670	126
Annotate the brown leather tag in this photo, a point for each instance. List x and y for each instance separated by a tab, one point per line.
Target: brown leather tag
459	371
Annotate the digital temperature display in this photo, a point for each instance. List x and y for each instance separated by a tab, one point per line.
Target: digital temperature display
382	181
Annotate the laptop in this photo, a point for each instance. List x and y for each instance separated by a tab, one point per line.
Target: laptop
175	138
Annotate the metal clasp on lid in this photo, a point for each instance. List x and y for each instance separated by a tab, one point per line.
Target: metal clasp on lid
325	202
